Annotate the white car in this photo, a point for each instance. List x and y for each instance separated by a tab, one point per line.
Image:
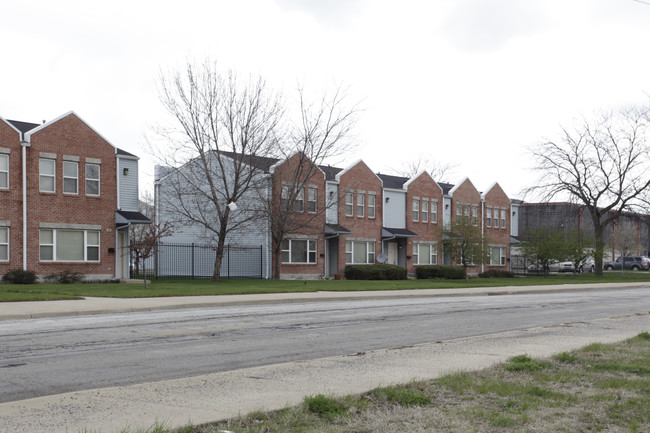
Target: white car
585	266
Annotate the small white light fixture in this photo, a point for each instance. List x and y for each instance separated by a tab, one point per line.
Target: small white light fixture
232	206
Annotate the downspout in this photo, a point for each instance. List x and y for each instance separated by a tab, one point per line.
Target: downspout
25	145
117	182
482	233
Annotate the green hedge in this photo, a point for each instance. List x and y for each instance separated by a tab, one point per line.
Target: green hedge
20	276
496	273
375	272
440	271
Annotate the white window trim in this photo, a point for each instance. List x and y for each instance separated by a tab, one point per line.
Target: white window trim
314	201
369	252
85	247
53	175
309	243
349	204
434	212
415	209
361	204
99	185
503	218
3	244
416	253
488	216
6	158
76	178
372	206
425	210
502	255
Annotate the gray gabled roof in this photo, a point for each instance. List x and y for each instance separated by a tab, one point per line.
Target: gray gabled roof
23	126
394	182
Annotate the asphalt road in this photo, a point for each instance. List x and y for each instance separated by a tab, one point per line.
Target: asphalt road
51	356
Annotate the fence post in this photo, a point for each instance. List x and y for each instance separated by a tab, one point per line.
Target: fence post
192	260
228	261
261	261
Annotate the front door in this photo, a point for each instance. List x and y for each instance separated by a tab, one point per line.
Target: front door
122	255
392	253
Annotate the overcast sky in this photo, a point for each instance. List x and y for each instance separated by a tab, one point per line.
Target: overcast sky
467	82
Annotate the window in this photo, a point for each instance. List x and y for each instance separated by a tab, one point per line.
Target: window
361	204
503	218
372	199
497	256
92	179
475	214
312	197
349	204
70	177
459	213
69	245
495	218
300	200
425	211
466	213
285	197
416	209
488	217
46	170
4	244
359	252
4	171
434	211
298	251
425	254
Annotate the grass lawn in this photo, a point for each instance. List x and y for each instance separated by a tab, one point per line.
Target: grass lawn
597	388
163	287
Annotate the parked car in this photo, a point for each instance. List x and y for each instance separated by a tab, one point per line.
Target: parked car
553	266
586	266
633	263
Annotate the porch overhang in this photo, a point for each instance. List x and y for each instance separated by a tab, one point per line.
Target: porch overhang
335	230
123	217
392	233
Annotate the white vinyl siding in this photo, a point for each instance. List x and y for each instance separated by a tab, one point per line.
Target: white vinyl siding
128	184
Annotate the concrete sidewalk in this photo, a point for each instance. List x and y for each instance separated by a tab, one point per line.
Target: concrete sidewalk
90	305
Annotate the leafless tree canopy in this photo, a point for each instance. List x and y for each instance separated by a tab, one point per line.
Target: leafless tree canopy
602	164
440	171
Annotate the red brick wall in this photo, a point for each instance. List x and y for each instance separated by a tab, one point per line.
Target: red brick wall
423	187
305	223
355	179
70	136
466	194
11	199
496	197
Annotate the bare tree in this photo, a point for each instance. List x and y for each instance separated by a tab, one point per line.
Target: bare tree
322	132
220	125
626	239
144	240
439	170
468	246
601	164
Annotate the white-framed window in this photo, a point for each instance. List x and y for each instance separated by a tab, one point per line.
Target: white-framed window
475	214
425	254
70	177
425	210
488	217
416	209
372	200
359	252
46	175
4	171
92	179
459	213
497	256
466	213
312	199
503	218
63	245
349	203
299	251
434	211
361	204
495	218
4	244
300	200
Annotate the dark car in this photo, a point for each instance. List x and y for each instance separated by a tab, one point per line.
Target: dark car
633	263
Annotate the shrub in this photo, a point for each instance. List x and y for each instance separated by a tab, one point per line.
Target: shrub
525	363
496	273
440	271
20	276
375	272
325	407
65	277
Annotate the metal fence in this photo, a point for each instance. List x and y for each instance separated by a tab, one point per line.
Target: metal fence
195	261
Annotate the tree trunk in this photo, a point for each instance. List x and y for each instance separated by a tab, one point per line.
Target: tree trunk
277	259
598	252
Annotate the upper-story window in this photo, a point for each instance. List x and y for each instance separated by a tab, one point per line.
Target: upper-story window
70	177
503	218
425	210
349	204
47	172
361	204
475	214
434	211
466	213
488	217
312	198
285	197
4	171
300	200
372	200
496	218
92	179
459	213
416	209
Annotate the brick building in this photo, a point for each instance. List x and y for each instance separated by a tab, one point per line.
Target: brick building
359	217
67	199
